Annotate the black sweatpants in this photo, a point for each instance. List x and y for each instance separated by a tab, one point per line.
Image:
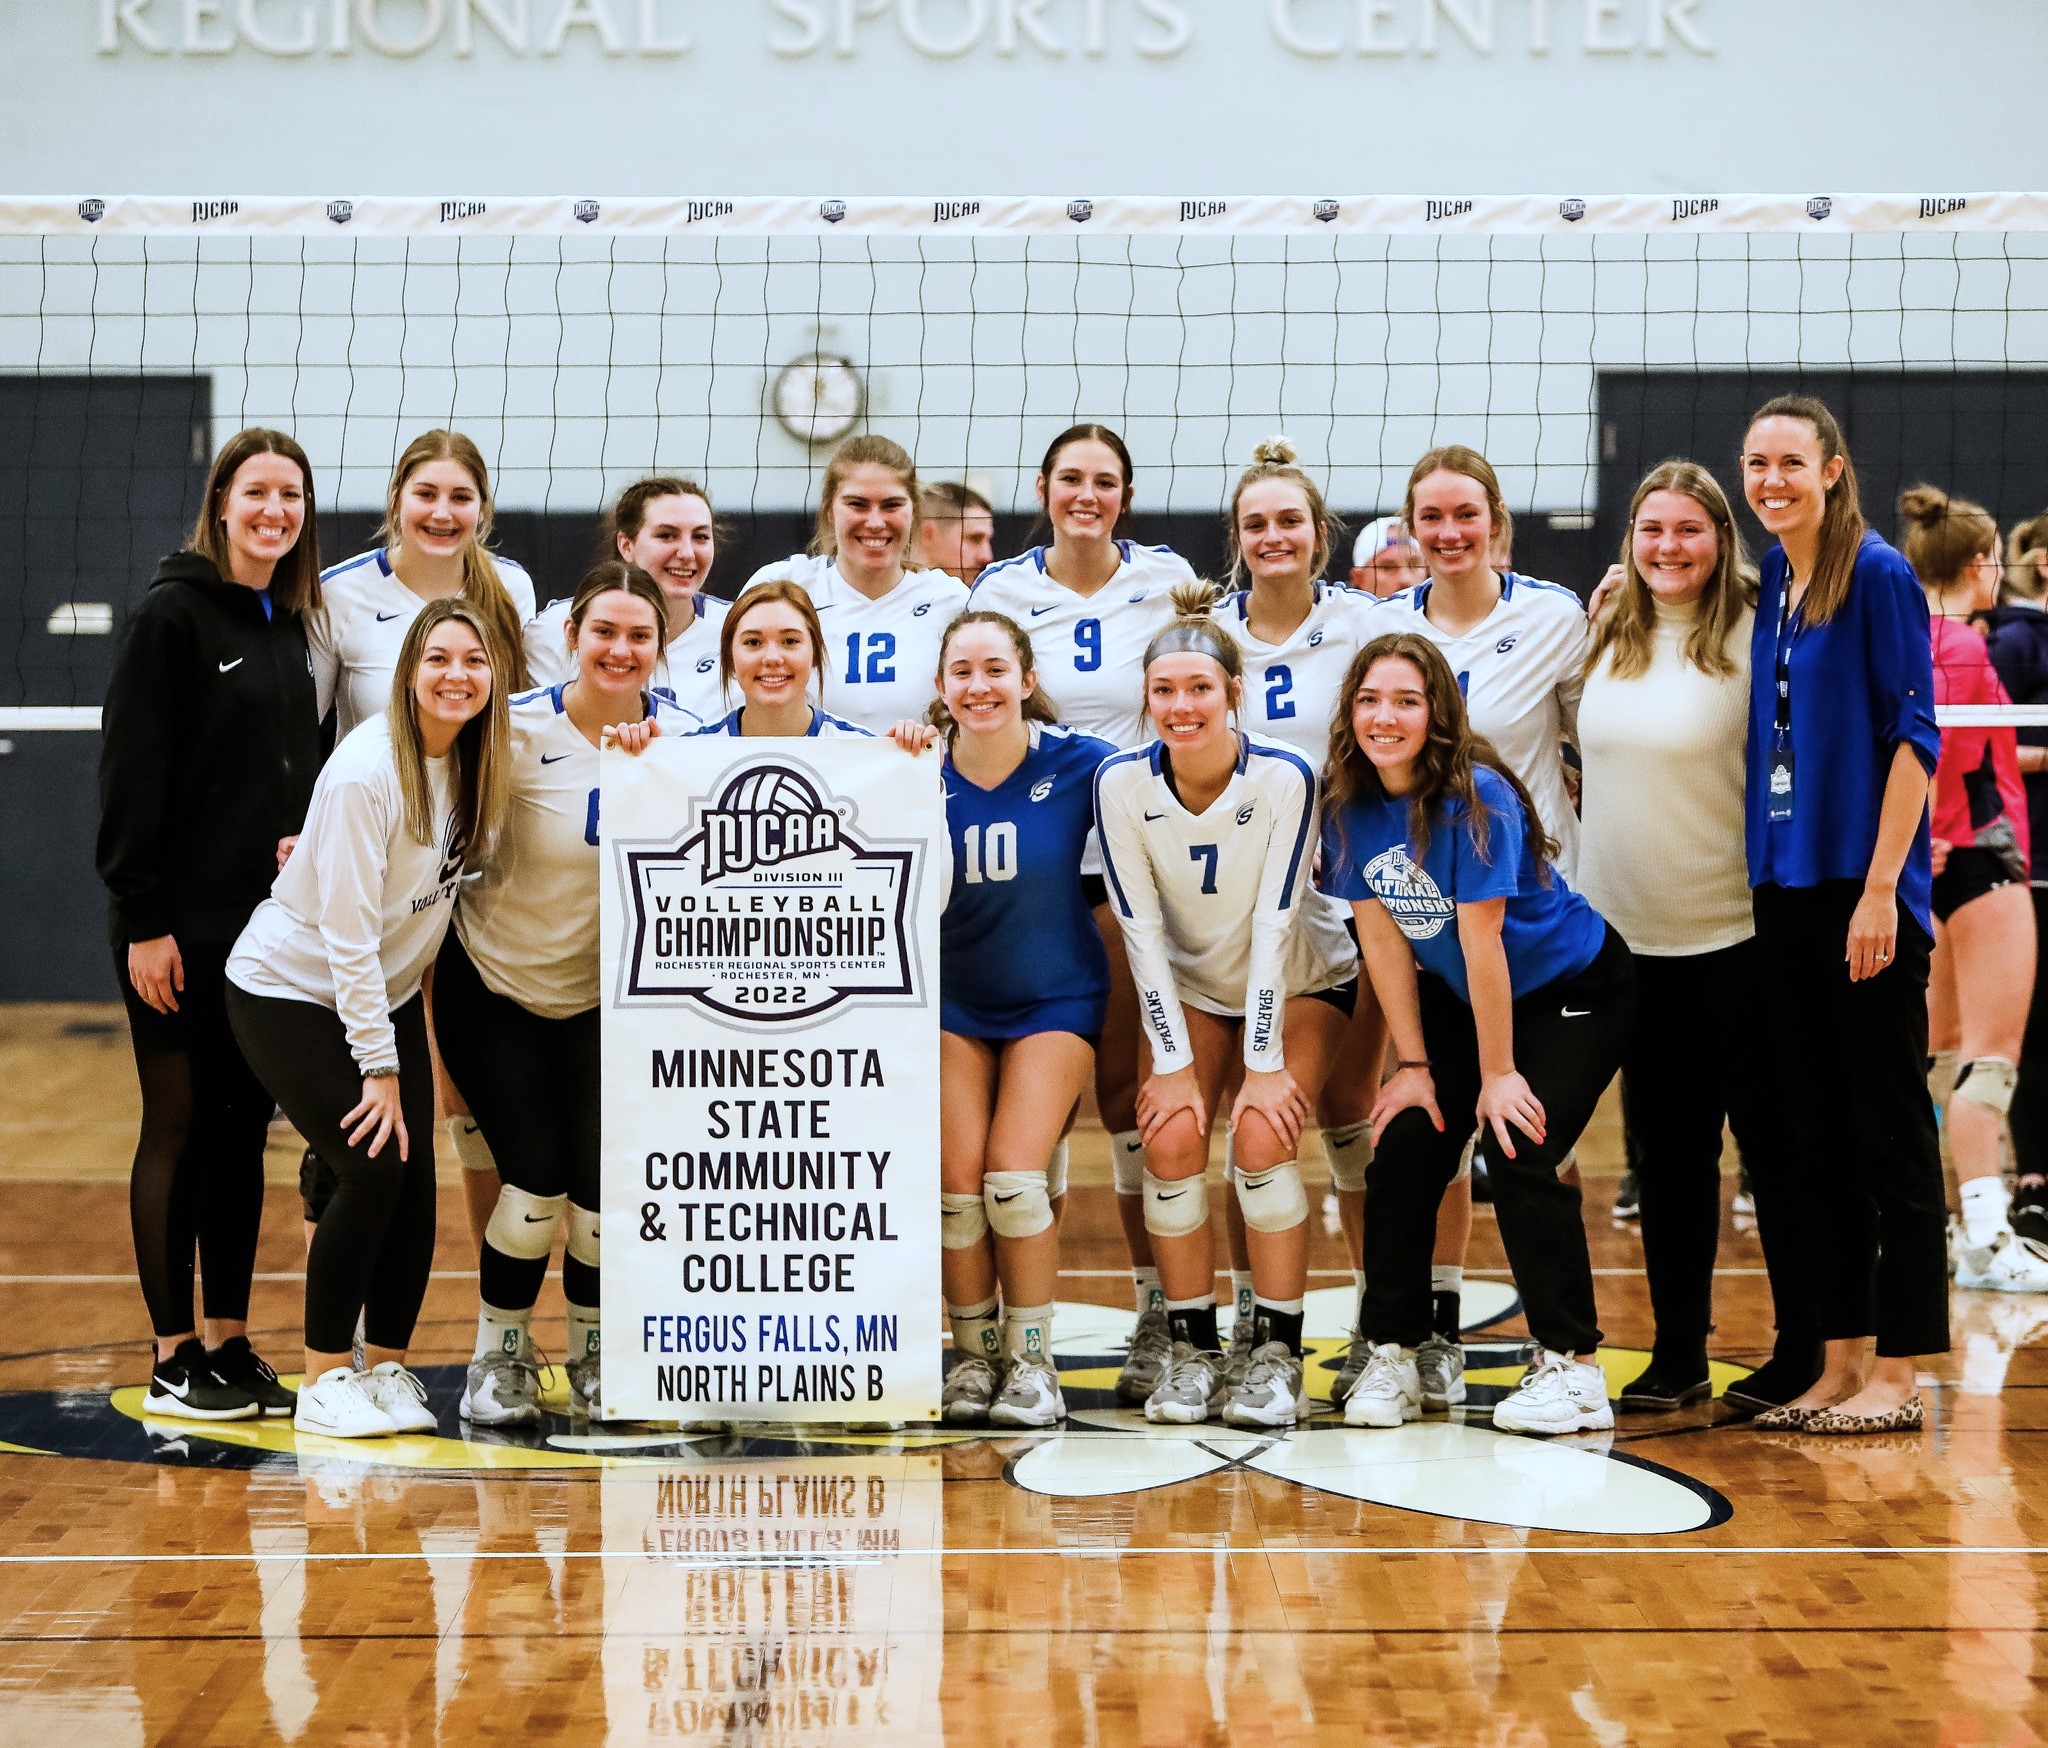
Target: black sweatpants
1691	1063
374	1246
1864	1188
532	1084
2029	1116
197	1179
1569	1037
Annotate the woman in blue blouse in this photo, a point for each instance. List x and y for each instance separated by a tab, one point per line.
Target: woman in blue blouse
1842	743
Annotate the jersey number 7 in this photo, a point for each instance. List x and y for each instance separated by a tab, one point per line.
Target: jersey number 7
1206	855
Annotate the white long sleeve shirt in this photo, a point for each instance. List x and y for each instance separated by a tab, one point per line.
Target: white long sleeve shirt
687	671
1291	688
360	909
1216	907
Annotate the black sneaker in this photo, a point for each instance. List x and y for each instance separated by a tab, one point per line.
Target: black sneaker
184	1387
2029	1212
235	1362
1664	1385
1628	1200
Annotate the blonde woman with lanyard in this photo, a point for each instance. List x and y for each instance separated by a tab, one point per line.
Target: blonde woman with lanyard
1092	602
434	544
879	618
325	998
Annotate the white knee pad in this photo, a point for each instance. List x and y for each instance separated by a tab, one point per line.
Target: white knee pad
1174	1209
1127	1163
962	1221
521	1225
583	1235
1988	1081
1944	1070
1350	1151
1056	1172
1019	1204
1274	1200
469	1144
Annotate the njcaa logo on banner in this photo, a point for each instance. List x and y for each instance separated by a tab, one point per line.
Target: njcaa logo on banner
771	908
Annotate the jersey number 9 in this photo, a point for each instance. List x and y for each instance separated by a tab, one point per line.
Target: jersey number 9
1087	645
1001	859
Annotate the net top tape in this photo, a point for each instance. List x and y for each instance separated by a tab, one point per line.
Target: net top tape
1025	216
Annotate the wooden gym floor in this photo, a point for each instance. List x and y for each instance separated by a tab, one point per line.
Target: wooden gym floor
1682	1581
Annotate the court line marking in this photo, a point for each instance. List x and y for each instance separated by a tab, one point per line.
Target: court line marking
870	1558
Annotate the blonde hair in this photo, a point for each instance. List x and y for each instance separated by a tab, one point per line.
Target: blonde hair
1457	458
1943	534
482	586
1841	526
1275	459
482	750
869	450
2023	579
1195	632
295	583
1622	633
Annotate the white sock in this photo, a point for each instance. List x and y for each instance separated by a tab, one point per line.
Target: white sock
469	1144
501	1331
1242	1298
1444	1277
1985	1201
1358	1280
583	1322
1027	1329
1145	1288
975	1329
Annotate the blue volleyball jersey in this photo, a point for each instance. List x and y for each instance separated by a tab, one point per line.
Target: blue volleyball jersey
1017	935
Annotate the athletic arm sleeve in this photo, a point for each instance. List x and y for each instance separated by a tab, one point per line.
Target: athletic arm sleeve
1281	884
1899	654
350	827
326	660
138	745
1127	865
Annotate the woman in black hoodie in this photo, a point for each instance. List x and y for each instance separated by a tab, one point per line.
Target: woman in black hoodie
210	744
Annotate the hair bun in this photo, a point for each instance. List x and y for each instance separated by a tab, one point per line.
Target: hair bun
1276	452
1927	505
1193	600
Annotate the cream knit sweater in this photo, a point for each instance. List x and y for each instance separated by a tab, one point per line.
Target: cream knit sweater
1661	852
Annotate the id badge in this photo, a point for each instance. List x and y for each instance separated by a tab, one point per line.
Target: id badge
1780	781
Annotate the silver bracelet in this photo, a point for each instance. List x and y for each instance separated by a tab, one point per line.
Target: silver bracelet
381	1071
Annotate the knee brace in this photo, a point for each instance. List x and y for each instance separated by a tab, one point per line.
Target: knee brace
470	1146
1056	1172
523	1225
1988	1081
1350	1151
1944	1072
1273	1200
1174	1209
583	1235
1018	1203
962	1221
1127	1163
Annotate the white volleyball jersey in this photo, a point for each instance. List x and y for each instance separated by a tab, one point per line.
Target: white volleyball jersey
687	673
359	911
529	920
1090	649
365	612
1216	907
1521	670
824	726
881	656
1291	688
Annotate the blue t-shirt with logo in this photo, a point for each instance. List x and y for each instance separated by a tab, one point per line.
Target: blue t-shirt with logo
1549	931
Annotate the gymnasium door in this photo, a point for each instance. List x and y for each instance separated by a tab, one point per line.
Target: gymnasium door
1980	434
99	478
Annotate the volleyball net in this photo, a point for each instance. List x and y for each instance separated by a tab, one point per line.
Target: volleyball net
584	343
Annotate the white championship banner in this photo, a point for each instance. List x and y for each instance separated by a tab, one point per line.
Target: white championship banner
771	1080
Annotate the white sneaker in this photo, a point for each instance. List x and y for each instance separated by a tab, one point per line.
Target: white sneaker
1030	1395
1191	1391
502	1390
338	1404
1388	1391
1269	1391
401	1395
971	1387
1558	1393
1440	1364
2008	1264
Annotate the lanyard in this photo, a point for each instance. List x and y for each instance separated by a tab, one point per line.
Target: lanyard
1783	654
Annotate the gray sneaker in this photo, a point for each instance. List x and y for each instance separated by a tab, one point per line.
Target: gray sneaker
969	1390
1150	1357
583	1387
1030	1395
502	1390
1356	1358
1440	1364
1271	1390
1191	1391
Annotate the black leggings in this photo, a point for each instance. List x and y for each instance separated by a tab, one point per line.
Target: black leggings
2030	1097
197	1180
1568	1043
1692	1061
1851	1059
533	1086
374	1246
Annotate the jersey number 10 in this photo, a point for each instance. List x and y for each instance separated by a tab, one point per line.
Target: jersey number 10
1001	861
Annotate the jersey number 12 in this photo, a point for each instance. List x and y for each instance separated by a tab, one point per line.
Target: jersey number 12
1001	859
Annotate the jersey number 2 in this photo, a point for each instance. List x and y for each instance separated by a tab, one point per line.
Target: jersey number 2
881	658
1279	682
1000	862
